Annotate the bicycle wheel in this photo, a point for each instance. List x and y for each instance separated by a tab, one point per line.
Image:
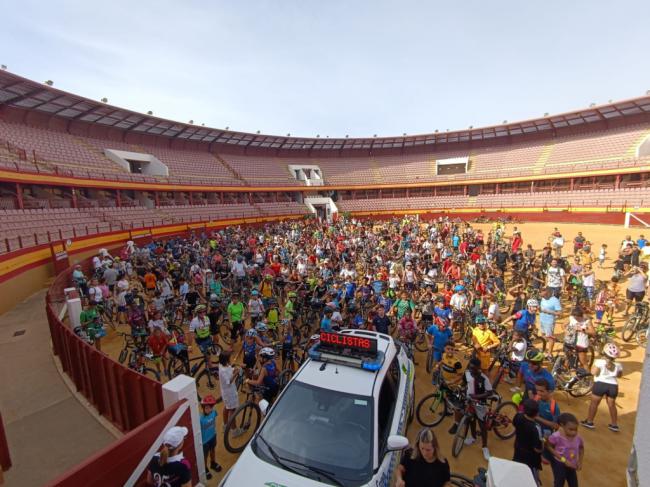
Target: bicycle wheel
432	409
642	337
502	422
176	367
421	344
124	353
285	377
209	381
241	427
582	386
429	360
459	438
629	329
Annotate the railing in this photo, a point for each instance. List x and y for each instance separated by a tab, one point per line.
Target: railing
123	396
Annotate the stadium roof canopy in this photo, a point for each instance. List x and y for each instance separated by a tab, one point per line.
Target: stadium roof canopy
22	93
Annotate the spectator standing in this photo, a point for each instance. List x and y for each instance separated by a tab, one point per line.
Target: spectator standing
528	442
423	465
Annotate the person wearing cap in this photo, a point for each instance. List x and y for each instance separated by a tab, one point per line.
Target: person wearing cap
530	371
200	329
168	467
209	434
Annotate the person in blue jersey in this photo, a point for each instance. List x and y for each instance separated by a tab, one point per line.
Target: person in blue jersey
524	320
268	376
209	434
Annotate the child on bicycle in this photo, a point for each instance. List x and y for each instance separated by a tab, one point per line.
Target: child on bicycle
407	327
479	389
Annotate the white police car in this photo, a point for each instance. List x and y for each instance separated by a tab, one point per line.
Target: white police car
341	420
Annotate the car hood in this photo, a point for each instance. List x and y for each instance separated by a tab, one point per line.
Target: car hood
251	471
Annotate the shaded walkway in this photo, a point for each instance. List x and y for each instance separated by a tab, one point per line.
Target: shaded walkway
48	430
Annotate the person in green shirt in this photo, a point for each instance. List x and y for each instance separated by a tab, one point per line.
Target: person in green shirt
289	306
236	313
91	323
402	304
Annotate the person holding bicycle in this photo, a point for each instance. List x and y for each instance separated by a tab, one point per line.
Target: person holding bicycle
484	340
200	330
268	376
479	389
438	335
530	371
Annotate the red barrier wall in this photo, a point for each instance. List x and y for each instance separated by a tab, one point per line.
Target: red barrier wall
114	464
123	396
5	458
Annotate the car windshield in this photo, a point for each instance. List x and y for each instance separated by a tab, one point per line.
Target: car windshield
312	430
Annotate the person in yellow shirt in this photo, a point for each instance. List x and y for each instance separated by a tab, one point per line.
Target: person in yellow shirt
586	256
451	369
484	340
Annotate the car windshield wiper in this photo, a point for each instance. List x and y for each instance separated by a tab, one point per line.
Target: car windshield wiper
278	459
281	461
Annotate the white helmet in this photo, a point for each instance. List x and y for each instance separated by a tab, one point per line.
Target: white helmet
532	303
267	353
611	350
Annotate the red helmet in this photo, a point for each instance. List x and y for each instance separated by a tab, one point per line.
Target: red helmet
208	400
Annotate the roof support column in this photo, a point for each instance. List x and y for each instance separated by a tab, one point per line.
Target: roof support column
75	202
190	197
571	183
617	182
156	198
118	198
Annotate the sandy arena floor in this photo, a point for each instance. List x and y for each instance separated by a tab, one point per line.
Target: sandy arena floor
606	453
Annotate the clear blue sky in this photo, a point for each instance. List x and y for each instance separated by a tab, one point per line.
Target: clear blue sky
334	67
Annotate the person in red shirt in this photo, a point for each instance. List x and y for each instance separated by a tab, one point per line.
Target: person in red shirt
517	241
158	343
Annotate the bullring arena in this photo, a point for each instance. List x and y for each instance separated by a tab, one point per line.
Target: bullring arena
77	176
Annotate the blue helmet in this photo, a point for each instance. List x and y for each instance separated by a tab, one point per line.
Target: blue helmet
459	288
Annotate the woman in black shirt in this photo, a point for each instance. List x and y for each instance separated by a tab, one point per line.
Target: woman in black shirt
423	465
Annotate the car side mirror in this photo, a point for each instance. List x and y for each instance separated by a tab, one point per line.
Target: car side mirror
397	442
264	406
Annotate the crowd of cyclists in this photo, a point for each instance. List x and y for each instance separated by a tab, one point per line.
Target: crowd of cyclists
481	307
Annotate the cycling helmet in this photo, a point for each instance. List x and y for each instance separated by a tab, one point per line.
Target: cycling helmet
254	292
267	353
459	288
251	333
208	400
534	355
214	297
200	308
611	350
532	303
314	338
292	294
517	398
480	319
261	327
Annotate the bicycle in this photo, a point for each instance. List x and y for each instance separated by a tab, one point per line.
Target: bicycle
434	407
636	322
499	421
568	374
243	422
138	357
206	375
